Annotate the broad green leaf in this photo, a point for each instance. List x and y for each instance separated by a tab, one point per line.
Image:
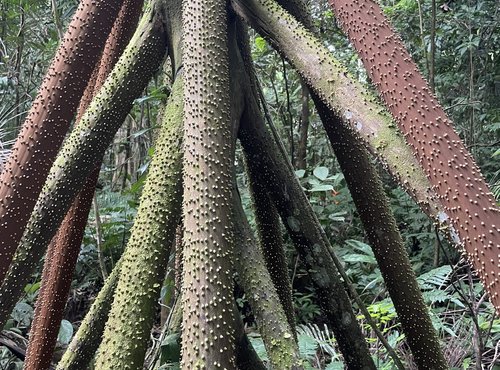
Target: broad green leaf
321	188
65	332
171	348
321	173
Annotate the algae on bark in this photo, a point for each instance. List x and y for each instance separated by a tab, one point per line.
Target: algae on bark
86	340
145	258
45	126
276	332
83	148
62	254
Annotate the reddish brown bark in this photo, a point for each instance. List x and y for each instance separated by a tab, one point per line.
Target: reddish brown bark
53	109
455	177
63	251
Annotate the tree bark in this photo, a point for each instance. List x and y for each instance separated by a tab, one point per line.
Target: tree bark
63	251
450	168
208	326
386	242
82	149
271	243
86	340
341	93
145	259
262	295
48	120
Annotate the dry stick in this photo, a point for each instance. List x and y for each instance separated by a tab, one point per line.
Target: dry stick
63	251
45	127
347	281
86	145
469	204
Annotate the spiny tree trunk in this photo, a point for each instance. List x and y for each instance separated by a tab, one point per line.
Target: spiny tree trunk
451	169
63	251
44	129
303	128
377	218
86	340
267	166
258	286
341	93
271	243
208	325
82	149
378	221
145	258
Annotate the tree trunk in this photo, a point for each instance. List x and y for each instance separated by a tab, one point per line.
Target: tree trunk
82	149
450	168
271	243
65	246
378	221
262	295
208	325
341	93
86	340
46	125
145	259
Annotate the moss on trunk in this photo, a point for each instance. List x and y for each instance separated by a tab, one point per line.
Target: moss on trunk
83	148
262	295
125	338
378	221
62	255
84	344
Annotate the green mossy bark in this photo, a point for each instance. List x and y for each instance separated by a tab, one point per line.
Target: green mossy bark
262	295
358	108
145	258
267	166
208	335
273	250
378	221
49	118
246	357
85	342
384	237
83	148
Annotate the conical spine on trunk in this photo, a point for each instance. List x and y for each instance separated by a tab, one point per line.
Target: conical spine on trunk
273	249
44	129
259	289
63	251
82	149
267	166
384	237
145	258
455	177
